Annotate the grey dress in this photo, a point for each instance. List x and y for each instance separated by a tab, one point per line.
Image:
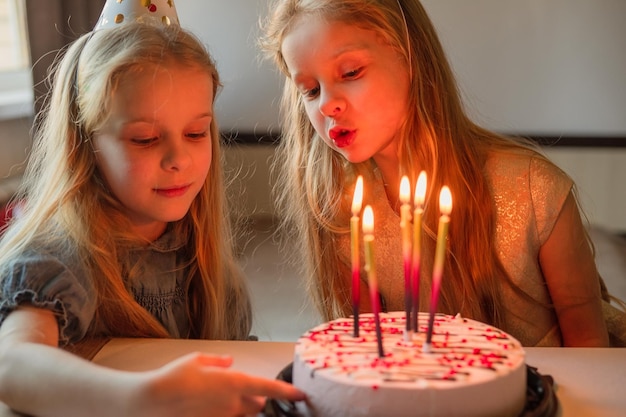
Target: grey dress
55	279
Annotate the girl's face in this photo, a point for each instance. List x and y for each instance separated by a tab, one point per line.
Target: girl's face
354	86
154	151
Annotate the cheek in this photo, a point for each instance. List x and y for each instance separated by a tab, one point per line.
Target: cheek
114	164
204	158
316	118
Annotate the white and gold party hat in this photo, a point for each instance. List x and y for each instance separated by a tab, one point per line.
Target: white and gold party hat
118	12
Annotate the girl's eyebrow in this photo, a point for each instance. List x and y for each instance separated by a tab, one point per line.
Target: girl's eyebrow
203	115
349	48
359	47
153	120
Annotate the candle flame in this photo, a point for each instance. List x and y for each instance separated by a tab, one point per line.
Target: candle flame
357	199
445	200
420	190
405	190
368	220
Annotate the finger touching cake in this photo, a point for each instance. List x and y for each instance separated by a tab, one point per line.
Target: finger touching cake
469	369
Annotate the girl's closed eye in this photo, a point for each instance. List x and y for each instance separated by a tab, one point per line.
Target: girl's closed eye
144	141
310	92
199	129
352	74
197	135
139	134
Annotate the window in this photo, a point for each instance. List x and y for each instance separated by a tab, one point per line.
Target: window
16	92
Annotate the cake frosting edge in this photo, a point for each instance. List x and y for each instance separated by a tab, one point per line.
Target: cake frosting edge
472	369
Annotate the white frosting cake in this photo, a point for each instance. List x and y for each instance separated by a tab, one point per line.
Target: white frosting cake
472	369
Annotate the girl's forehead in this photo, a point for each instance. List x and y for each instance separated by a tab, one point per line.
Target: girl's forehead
163	72
321	39
158	91
318	31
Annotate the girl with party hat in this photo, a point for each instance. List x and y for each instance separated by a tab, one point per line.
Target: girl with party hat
123	231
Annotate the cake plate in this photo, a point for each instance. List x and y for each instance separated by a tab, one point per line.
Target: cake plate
541	400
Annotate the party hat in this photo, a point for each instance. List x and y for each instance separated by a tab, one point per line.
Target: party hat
117	12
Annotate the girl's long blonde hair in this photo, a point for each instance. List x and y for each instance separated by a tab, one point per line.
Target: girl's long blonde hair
65	204
314	183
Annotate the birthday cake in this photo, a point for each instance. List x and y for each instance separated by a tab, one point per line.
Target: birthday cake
468	369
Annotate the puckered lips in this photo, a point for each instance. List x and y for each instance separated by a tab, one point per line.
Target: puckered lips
342	137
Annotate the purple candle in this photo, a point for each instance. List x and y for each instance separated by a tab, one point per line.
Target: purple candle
418	213
405	226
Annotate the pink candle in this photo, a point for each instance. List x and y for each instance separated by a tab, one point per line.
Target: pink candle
370	268
405	226
418	213
357	201
445	206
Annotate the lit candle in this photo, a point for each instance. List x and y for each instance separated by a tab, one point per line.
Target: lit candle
418	213
370	268
445	206
405	226
357	201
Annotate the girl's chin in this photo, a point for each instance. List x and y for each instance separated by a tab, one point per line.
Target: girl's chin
353	157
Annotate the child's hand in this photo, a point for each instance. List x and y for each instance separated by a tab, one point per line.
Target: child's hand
199	385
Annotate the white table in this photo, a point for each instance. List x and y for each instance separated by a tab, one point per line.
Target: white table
588	382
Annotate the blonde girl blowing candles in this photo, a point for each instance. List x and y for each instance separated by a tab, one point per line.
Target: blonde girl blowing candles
123	233
369	91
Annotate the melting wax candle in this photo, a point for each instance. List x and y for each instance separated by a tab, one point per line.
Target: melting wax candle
445	206
357	201
370	268
418	213
405	226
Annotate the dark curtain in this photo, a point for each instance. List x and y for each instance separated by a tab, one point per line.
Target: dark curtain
53	24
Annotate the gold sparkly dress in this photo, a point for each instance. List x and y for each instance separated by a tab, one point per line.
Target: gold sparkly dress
529	194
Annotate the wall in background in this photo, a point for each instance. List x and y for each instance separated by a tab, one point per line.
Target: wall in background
532	67
553	67
248	102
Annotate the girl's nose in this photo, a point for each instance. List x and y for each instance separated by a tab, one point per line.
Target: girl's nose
331	105
177	157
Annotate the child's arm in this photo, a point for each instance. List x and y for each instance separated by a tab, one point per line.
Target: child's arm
570	271
38	378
